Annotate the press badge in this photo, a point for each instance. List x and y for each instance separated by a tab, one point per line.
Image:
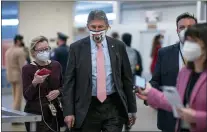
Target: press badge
52	109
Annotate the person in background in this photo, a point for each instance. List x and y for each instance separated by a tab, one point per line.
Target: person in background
98	88
115	35
15	60
170	60
40	91
26	50
60	54
134	56
191	84
157	44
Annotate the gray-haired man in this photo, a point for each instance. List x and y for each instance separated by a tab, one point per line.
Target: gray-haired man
97	94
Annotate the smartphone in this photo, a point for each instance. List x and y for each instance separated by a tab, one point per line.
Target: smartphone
140	82
43	72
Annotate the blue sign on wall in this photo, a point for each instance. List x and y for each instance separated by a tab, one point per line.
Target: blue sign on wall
9	12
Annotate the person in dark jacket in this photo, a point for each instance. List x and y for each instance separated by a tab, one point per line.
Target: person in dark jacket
26	50
134	56
98	88
115	35
60	54
170	61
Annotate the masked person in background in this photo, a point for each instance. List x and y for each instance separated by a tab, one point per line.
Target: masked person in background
26	50
170	60
41	91
15	60
60	54
157	44
134	59
191	84
98	81
115	35
134	56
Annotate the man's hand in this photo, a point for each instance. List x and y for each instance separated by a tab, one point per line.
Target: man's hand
70	120
132	119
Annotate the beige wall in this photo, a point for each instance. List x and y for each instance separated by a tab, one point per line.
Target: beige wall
168	14
45	18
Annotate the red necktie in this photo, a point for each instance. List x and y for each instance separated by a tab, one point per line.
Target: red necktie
101	74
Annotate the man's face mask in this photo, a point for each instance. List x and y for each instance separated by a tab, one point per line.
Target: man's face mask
98	36
181	35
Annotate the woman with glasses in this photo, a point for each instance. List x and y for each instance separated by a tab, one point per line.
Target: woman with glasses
41	92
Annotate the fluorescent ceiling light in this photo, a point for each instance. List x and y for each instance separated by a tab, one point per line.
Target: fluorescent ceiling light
83	17
107	2
9	22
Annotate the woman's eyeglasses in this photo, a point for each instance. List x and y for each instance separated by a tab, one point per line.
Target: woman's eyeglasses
43	50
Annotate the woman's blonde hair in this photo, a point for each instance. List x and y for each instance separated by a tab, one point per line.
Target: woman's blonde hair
35	41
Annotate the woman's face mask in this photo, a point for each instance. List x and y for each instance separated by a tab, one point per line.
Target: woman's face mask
43	56
98	36
161	41
191	51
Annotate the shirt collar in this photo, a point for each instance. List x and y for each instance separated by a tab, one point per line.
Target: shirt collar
93	44
181	46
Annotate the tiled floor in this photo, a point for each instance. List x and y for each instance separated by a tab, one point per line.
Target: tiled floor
146	117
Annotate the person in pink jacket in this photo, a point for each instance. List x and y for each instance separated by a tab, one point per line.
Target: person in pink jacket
191	84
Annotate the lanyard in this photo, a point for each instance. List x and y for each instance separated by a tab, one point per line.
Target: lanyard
182	56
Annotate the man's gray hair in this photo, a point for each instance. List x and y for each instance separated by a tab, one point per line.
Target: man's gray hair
97	15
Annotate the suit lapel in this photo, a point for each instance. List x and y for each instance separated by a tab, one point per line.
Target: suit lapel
201	80
112	53
85	57
176	57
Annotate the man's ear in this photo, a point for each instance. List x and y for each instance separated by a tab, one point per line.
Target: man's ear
177	30
107	28
88	26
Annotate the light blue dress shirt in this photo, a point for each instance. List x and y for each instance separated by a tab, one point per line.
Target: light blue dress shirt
109	79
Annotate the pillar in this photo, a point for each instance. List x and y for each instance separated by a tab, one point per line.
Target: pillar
46	18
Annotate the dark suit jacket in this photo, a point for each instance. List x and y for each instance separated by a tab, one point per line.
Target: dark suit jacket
61	55
77	89
165	74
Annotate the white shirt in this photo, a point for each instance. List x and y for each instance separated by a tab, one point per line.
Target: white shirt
181	63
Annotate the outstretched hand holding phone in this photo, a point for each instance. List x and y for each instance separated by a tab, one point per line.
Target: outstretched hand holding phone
142	92
141	87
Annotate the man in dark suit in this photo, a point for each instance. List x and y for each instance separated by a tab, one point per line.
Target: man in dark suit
97	94
170	61
60	54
